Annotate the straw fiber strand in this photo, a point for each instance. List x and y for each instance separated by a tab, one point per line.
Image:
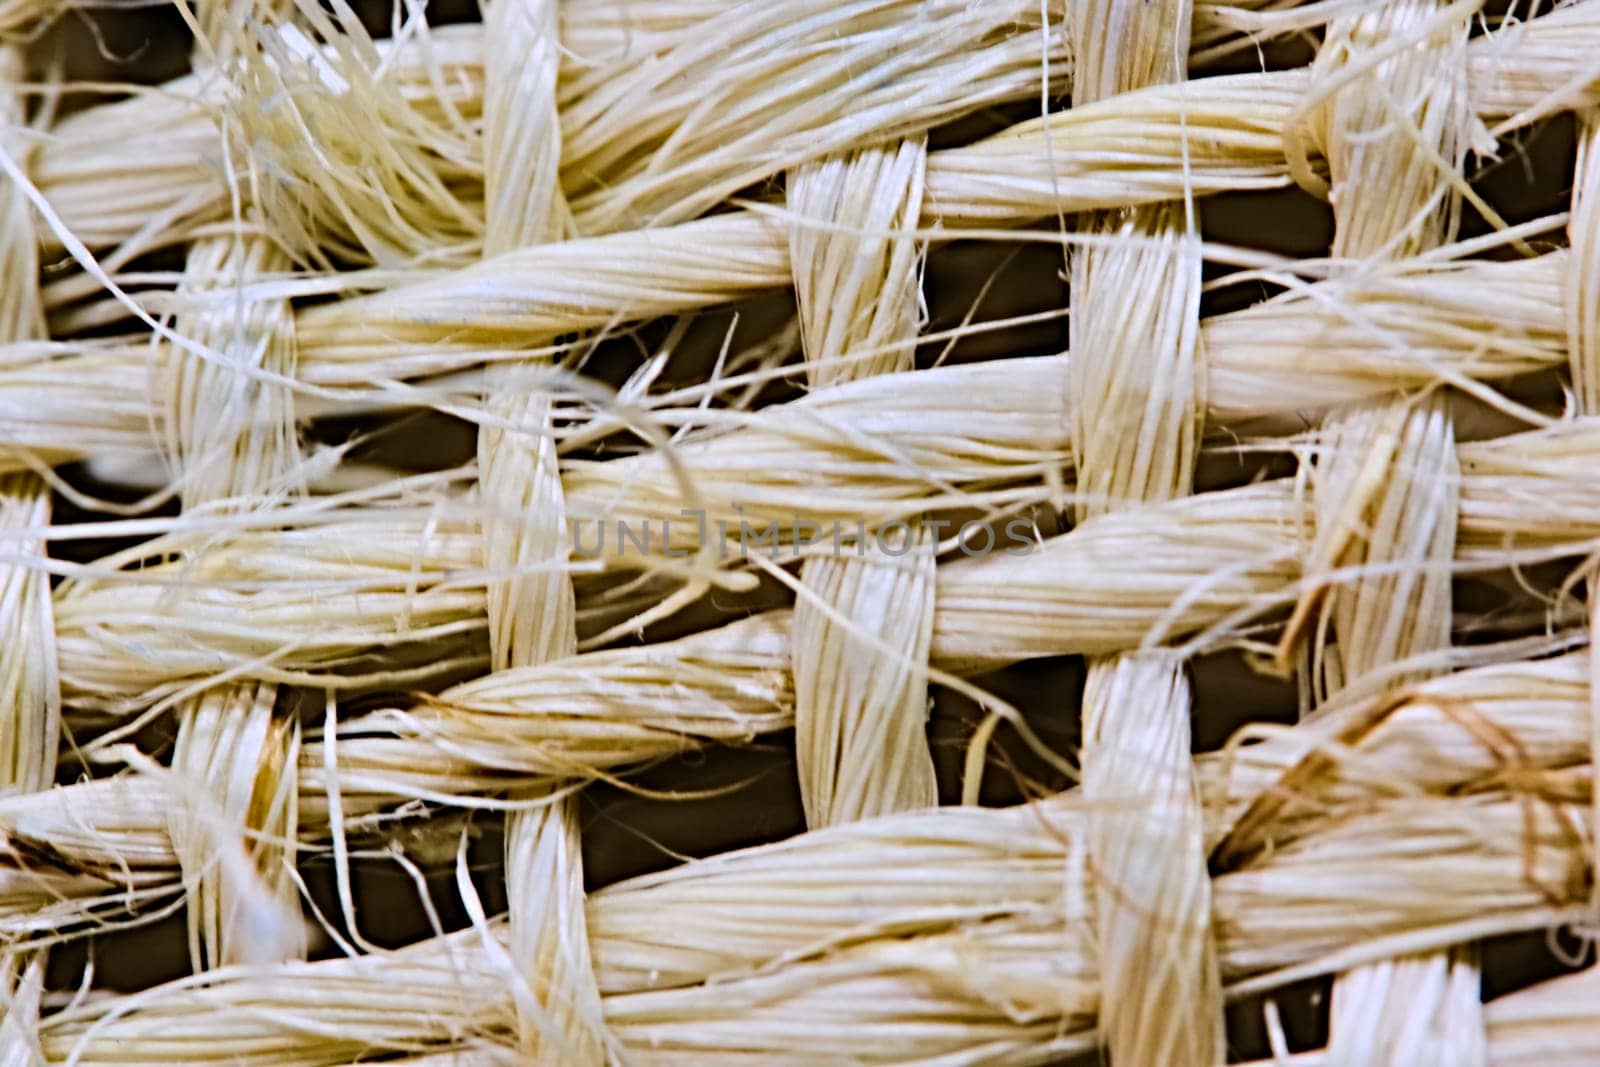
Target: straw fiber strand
774	531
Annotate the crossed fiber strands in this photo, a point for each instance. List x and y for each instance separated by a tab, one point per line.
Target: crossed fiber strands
293	651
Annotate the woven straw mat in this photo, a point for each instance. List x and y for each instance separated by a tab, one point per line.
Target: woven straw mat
799	531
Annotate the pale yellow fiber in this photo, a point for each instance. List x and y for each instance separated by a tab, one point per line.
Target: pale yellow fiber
873	911
700	532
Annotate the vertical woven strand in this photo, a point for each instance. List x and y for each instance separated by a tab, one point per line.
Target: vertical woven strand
861	635
30	700
860	714
234	829
30	688
1137	407
1583	352
1387	480
232	440
532	607
229	433
521	127
858	287
1120	47
21	311
1583	268
21	989
1134	375
1161	996
1385	494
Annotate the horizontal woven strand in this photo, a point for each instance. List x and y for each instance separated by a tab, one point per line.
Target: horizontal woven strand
1159	572
1272	917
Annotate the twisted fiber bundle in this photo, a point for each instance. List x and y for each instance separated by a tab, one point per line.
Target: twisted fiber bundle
967	933
466	222
1230	555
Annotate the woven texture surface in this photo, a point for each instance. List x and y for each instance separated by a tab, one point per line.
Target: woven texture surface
791	531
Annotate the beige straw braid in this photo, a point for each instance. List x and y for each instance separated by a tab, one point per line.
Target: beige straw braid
975	901
31	696
1038	169
1136	415
1524	72
235	763
30	691
1228	556
727	257
533	617
860	709
1395	136
329	369
519	732
1387	331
